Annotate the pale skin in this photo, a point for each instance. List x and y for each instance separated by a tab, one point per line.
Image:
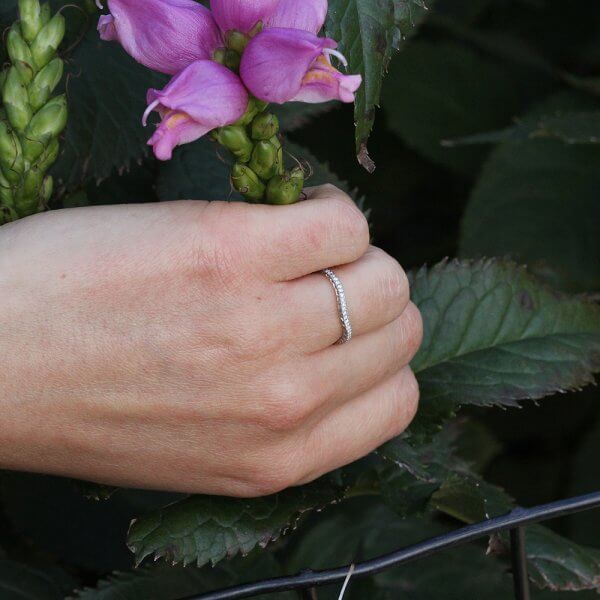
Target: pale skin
190	346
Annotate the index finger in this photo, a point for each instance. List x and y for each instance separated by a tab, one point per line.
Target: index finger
325	230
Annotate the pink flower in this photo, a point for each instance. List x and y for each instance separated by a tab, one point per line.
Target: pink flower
284	60
204	96
281	65
163	35
242	15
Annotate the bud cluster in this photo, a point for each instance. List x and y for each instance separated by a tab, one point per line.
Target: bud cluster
259	173
31	118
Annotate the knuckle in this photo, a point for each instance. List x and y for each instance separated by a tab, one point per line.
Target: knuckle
287	408
411	396
405	402
394	284
412	330
351	221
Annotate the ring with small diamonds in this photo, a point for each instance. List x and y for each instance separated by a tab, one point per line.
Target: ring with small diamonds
342	306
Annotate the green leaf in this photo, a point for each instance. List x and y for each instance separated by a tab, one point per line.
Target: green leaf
439	91
21	582
495	336
172	583
207	529
107	95
361	532
200	171
537	200
368	32
558	564
569	127
555	563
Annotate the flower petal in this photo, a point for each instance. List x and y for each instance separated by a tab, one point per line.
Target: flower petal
277	60
241	15
308	15
176	129
323	83
206	93
164	35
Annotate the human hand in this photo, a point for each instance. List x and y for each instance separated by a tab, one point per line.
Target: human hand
190	346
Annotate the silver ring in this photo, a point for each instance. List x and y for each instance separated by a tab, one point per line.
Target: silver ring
342	305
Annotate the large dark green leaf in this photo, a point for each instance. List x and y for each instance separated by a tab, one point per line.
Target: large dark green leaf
439	91
360	532
495	336
554	562
107	95
369	31
206	529
537	199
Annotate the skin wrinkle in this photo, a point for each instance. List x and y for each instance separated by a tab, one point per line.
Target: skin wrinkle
170	346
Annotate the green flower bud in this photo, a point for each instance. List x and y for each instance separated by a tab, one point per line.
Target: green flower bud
46	13
49	156
237	41
228	58
254	107
7	201
11	154
47	189
286	189
45	45
31	18
264	161
47	124
28	199
45	82
280	165
265	126
20	54
16	101
31	184
247	183
236	140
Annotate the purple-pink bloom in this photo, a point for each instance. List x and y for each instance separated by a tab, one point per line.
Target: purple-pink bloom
282	65
163	35
308	15
204	96
241	15
286	61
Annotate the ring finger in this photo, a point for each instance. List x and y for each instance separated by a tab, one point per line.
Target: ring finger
376	290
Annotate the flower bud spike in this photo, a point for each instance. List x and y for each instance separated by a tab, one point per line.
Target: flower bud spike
31	121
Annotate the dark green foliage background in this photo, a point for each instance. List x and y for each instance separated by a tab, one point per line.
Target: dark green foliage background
487	144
